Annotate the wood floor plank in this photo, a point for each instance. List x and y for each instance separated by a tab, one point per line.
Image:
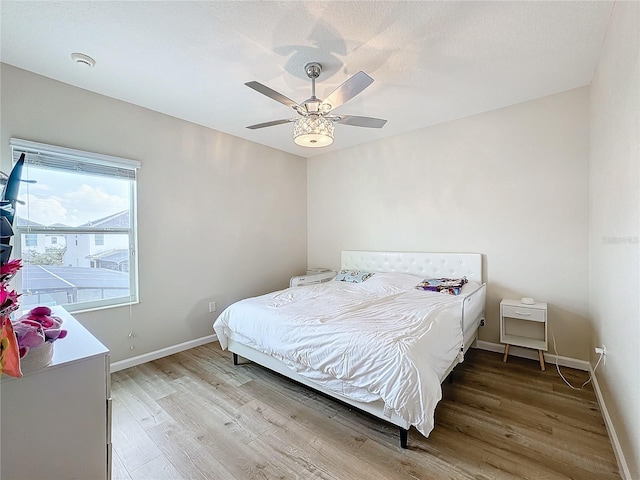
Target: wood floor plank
223	437
181	446
129	439
155	384
496	421
118	470
537	454
138	401
160	468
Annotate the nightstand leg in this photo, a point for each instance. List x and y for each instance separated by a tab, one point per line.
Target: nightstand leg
541	356
506	353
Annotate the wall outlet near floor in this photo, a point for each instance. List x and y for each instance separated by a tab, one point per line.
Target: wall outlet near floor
602	351
212	307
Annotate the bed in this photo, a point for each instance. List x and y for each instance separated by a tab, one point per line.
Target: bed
380	345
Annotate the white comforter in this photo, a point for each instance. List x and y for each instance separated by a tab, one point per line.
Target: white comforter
380	339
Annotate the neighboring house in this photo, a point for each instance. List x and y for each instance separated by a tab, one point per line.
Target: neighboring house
55	241
62	268
33	243
98	250
113	259
93	250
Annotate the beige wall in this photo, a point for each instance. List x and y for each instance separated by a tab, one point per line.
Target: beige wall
511	184
216	220
615	220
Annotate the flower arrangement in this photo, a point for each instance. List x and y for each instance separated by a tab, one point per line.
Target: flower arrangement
8	298
10	348
35	330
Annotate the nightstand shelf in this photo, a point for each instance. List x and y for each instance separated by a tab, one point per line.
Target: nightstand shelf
524	325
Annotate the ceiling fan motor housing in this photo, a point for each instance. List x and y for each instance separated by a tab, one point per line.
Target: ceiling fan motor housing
313	69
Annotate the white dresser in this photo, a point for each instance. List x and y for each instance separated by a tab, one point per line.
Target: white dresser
56	422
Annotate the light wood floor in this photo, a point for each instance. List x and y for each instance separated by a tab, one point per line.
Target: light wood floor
194	415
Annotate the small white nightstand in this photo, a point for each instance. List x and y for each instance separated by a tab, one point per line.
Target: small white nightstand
523	325
312	276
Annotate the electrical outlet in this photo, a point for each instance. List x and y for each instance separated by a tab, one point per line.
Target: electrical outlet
212	307
602	351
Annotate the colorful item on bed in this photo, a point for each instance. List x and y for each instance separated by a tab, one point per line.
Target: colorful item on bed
452	286
353	276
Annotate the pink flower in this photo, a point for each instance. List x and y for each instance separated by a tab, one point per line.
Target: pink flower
8	270
8	300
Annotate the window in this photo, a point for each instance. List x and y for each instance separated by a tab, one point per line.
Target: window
76	231
30	240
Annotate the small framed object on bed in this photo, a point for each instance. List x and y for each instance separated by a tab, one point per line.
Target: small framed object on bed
381	336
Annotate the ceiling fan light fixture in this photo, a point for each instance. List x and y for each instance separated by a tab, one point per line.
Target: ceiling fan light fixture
313	131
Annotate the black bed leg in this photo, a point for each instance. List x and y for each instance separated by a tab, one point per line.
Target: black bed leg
235	359
403	438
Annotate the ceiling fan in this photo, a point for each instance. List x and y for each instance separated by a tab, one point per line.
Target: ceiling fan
315	126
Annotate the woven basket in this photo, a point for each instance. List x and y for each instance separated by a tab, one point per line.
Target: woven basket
37	358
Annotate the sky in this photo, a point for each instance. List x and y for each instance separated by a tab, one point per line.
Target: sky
72	200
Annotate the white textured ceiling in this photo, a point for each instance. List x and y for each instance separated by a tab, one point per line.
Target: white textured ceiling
432	61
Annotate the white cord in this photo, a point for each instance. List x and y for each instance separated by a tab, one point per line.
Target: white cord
555	349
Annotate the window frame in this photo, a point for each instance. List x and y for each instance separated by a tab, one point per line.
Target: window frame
102	163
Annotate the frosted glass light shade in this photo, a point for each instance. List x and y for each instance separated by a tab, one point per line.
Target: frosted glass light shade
313	131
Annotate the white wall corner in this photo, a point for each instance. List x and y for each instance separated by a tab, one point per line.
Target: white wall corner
617	449
163	352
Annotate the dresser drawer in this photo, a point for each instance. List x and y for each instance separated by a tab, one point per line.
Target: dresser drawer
523	313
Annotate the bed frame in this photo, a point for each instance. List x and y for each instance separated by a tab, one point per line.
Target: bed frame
426	265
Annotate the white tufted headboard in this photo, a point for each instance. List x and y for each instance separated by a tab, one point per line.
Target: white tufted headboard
422	264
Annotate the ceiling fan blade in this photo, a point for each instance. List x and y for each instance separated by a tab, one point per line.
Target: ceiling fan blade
271	124
349	89
356	121
278	97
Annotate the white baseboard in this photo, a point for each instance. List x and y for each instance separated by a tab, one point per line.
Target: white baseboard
533	355
163	352
615	443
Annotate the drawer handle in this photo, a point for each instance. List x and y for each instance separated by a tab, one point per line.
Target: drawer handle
526	314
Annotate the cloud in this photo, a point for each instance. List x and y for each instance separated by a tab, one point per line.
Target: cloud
41	210
82	205
91	203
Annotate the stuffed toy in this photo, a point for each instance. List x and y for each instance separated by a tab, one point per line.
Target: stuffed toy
36	327
29	334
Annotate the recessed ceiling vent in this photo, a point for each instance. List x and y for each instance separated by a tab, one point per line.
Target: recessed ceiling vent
83	59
